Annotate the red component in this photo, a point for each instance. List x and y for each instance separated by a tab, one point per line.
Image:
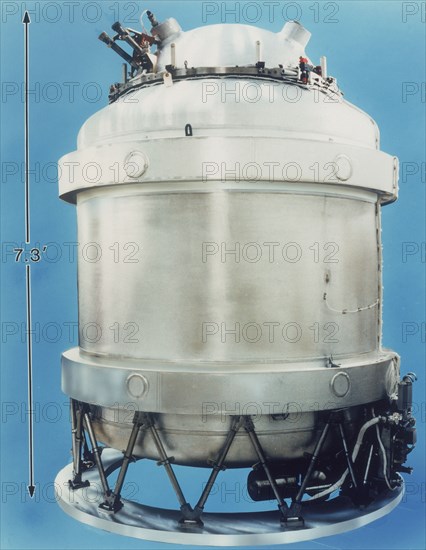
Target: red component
147	38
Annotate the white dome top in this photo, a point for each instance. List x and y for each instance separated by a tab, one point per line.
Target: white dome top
228	45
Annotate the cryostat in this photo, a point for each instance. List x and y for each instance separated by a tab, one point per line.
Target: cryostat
230	293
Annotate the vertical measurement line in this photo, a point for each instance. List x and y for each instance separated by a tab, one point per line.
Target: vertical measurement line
30	382
31	488
26	21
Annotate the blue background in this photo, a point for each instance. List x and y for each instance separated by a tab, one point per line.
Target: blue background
371	50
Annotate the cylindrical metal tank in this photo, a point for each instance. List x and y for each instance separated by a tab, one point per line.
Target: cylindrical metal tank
229	278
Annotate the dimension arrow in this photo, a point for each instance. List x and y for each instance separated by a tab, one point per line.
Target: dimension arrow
26	22
31	487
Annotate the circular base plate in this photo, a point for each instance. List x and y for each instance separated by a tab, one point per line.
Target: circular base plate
220	529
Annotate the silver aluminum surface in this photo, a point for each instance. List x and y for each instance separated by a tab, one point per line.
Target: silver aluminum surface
185	388
228	276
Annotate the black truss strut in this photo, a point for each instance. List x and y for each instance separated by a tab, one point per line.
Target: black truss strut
96	452
78	440
249	427
348	456
188	515
113	501
218	466
293	517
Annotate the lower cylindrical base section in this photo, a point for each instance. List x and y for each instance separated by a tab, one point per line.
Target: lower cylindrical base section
356	453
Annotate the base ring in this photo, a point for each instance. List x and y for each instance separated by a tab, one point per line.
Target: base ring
220	529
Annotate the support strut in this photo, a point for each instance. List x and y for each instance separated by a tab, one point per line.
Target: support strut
188	515
348	456
78	440
249	427
96	453
113	501
293	518
218	466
